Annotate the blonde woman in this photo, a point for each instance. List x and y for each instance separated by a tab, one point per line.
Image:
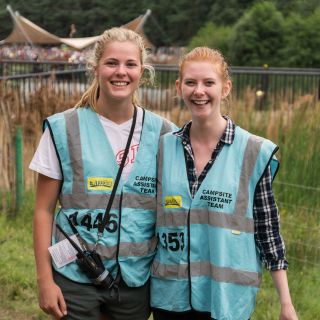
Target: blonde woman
79	161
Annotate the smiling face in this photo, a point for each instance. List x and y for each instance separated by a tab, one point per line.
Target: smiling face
201	87
118	72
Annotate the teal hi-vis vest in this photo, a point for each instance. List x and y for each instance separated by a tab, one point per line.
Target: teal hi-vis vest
89	169
207	259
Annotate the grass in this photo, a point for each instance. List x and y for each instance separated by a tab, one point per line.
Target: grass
18	295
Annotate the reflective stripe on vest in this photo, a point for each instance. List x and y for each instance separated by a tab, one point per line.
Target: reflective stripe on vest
94	201
220	274
128	249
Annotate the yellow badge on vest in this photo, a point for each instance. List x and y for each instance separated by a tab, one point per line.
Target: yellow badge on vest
173	202
99	183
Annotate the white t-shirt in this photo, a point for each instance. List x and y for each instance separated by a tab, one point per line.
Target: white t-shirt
45	160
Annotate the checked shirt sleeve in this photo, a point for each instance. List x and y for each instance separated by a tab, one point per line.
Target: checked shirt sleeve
267	225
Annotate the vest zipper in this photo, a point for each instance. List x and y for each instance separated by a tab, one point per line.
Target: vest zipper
189	267
118	240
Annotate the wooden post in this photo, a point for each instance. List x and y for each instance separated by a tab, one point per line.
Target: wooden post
19	169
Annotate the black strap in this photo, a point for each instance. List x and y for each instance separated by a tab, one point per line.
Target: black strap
115	186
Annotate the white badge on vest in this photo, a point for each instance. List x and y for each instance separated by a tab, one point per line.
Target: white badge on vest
63	253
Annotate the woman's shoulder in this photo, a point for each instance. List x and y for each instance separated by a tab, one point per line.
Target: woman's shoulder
166	124
254	139
61	113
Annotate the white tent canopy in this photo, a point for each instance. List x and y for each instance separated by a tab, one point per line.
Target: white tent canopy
25	31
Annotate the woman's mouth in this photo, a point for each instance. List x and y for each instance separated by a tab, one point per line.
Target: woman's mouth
200	102
119	83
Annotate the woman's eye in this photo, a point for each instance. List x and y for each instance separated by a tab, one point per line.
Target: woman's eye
189	83
111	63
131	64
209	83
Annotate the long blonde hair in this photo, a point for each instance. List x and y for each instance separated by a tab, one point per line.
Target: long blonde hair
90	96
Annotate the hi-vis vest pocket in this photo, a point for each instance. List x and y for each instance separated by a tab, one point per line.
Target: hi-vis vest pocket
173	202
99	183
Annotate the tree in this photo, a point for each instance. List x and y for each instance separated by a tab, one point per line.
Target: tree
227	12
212	36
286	7
175	22
302	41
257	38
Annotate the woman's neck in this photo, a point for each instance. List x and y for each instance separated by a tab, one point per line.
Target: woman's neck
118	112
208	131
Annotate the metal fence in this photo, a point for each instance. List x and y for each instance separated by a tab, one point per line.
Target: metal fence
18	67
268	86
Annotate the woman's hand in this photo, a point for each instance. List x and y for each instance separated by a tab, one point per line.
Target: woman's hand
51	300
288	312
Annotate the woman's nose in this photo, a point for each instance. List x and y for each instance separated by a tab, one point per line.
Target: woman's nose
121	69
198	90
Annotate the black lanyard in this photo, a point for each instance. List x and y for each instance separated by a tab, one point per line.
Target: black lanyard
104	221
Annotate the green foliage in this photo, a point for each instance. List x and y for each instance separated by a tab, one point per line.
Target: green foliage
302	41
175	22
227	12
287	6
257	37
212	36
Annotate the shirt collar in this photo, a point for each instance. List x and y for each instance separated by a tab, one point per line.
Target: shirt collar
227	136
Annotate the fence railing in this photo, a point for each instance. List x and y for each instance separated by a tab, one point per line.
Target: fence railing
18	67
269	86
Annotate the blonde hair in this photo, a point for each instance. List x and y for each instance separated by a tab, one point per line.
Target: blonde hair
206	54
90	96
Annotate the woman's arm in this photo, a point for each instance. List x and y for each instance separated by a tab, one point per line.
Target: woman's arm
270	242
51	299
280	281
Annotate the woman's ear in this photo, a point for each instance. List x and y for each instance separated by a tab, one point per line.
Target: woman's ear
178	87
142	71
226	89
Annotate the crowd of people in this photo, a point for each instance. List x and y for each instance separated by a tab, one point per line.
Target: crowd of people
161	55
42	53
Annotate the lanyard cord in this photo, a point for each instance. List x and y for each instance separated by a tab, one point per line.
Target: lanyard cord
113	193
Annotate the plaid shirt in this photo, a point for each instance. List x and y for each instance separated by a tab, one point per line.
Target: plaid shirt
265	211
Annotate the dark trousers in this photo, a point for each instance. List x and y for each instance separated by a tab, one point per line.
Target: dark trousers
188	315
88	302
